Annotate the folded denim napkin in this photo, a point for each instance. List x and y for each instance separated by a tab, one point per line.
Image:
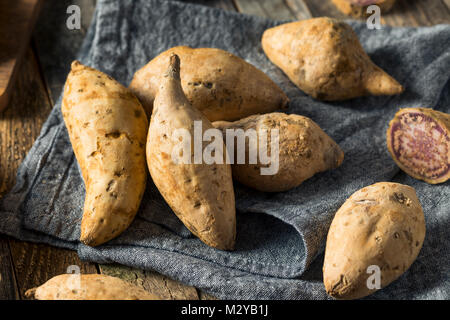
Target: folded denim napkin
280	236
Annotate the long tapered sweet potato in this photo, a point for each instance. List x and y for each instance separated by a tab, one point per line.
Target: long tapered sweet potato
358	8
374	238
304	149
419	142
88	287
216	82
107	128
200	194
325	59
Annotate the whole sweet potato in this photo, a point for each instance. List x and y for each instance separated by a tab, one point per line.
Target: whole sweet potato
88	287
419	142
325	59
107	128
304	149
200	194
376	234
358	8
216	82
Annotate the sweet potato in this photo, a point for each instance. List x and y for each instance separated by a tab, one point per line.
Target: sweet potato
358	8
200	194
419	142
88	287
376	234
216	82
325	59
107	128
304	150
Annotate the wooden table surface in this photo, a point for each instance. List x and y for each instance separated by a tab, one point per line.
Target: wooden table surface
24	265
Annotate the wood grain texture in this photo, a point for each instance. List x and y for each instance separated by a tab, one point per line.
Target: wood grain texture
17	19
57	46
274	9
299	8
404	12
417	13
156	283
36	263
20	124
447	3
30	104
8	285
324	8
222	4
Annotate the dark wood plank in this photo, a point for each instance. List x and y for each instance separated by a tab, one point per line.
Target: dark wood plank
274	9
20	124
404	12
17	19
57	46
36	263
21	121
447	3
417	13
222	4
299	8
8	285
324	8
154	282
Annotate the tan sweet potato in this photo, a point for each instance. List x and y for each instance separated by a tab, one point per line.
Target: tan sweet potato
325	59
107	128
200	194
304	150
419	142
216	82
88	287
377	233
358	8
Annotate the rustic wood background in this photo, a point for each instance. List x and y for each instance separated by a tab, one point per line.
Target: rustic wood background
41	77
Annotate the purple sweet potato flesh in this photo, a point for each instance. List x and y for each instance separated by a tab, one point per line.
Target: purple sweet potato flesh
420	145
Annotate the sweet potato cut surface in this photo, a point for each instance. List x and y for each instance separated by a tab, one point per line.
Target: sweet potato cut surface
419	142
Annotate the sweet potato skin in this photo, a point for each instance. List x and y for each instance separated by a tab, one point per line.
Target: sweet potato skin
427	148
304	150
380	225
216	82
201	195
325	59
92	287
107	128
358	8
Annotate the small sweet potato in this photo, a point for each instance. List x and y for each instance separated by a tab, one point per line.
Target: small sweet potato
358	8
325	59
88	287
200	194
374	238
107	128
304	150
419	142
216	82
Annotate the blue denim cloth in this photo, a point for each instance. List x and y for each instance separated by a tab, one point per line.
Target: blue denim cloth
280	236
